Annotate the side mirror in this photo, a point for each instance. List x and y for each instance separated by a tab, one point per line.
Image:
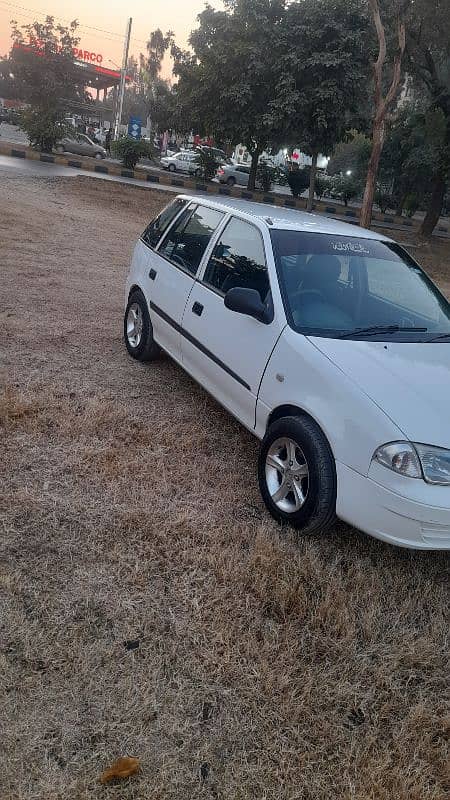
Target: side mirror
248	301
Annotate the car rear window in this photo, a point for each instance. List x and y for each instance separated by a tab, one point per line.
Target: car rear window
154	232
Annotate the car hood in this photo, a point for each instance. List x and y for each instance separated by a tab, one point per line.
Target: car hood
410	382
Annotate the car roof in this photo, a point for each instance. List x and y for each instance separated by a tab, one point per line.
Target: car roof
286	218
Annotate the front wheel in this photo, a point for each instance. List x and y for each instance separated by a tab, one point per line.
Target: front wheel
138	330
231	182
172	168
297	474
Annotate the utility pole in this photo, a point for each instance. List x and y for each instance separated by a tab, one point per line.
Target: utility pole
119	106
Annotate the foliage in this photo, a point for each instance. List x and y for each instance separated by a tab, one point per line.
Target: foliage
322	73
162	107
346	187
351	154
298	180
322	185
207	163
411	205
383	199
227	83
265	176
42	73
130	150
43	128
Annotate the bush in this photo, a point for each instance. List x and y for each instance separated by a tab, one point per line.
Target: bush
298	180
43	128
383	199
130	150
411	205
207	163
322	186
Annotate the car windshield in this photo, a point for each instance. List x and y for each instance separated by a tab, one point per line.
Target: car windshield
343	286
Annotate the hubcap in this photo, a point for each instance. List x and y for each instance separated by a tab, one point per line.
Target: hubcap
134	325
287	475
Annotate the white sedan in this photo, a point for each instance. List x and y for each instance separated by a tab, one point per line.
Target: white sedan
185	161
327	341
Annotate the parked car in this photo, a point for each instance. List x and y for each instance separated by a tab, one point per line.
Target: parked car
184	161
82	145
325	340
233	174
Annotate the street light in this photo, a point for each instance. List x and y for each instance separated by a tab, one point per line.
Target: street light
349	172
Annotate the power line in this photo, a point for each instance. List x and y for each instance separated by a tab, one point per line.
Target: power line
63	19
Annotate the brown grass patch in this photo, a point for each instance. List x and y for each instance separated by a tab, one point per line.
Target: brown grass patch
262	664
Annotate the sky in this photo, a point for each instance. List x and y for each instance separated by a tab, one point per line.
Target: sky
110	16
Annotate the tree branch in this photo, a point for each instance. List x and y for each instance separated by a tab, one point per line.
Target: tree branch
378	65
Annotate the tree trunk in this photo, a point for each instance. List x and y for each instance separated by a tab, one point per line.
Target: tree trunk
312	182
382	104
434	208
372	172
253	169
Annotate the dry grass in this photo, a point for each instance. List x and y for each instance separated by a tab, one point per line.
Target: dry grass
268	667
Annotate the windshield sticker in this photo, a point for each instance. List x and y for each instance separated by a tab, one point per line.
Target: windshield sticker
350	247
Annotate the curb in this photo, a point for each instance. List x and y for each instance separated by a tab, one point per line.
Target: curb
146	176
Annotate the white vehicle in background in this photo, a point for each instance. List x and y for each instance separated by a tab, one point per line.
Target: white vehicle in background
184	161
326	341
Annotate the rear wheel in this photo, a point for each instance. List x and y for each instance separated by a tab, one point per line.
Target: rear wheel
138	330
98	155
60	148
231	181
297	474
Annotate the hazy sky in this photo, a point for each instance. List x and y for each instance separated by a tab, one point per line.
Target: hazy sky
110	16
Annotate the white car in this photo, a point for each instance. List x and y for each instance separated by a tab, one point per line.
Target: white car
185	161
327	341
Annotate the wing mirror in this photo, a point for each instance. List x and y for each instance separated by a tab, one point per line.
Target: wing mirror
248	301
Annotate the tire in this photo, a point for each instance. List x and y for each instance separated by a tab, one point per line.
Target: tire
98	155
198	173
231	182
318	487
172	168
140	346
60	149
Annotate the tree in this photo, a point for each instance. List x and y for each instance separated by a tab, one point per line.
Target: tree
351	155
227	84
382	102
163	107
130	150
428	59
43	74
322	74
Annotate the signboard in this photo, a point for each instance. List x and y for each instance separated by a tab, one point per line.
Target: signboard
135	127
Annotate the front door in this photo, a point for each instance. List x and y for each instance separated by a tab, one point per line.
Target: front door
225	351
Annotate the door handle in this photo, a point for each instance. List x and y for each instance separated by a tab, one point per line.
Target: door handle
152	274
197	308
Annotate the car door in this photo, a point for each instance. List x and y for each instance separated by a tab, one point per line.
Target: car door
242	174
172	270
225	351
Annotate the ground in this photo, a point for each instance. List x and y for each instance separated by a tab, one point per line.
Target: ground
149	605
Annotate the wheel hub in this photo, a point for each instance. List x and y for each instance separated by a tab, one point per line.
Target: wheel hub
134	325
287	475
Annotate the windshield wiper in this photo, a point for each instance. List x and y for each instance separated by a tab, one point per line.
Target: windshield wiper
375	329
442	336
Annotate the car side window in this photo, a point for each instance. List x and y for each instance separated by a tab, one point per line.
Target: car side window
154	232
187	241
238	259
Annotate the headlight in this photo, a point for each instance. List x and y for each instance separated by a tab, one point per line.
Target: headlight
416	461
435	463
400	457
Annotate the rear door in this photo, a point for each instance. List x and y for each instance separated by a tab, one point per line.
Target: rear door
173	268
225	351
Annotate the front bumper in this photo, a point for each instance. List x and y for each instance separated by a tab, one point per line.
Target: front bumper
403	511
